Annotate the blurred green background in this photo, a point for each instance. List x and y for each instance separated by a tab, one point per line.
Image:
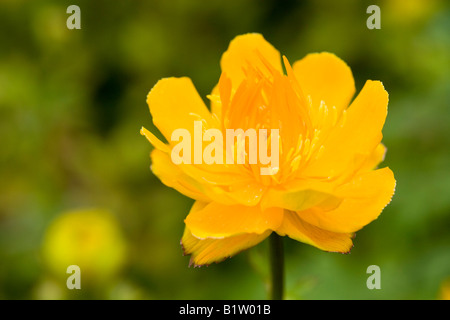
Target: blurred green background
72	103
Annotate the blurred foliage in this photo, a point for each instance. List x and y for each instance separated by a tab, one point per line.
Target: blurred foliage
72	103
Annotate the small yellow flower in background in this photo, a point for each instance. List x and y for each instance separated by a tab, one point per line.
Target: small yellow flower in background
326	186
90	239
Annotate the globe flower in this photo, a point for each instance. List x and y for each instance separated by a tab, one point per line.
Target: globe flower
325	186
89	238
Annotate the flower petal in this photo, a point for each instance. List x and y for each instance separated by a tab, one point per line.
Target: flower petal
207	251
193	183
216	103
375	158
357	137
325	77
247	49
216	220
364	198
365	119
298	229
158	144
298	200
175	104
172	176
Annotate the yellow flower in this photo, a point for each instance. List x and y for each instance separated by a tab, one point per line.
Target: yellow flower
326	186
90	239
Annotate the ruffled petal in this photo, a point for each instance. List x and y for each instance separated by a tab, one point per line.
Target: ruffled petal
207	251
172	176
356	137
363	199
217	221
175	104
296	228
375	158
192	183
298	200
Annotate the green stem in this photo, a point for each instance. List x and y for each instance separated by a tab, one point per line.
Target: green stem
277	266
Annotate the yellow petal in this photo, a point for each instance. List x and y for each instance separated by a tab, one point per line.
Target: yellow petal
219	221
244	193
158	144
223	184
197	183
375	158
363	200
247	49
207	251
298	229
171	175
325	77
216	104
357	136
365	119
175	104
298	200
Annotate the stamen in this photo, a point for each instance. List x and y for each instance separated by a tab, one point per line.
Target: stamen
343	118
320	152
334	111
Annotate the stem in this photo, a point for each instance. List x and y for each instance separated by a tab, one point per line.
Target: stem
277	266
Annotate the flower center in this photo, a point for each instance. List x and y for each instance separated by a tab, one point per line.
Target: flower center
268	99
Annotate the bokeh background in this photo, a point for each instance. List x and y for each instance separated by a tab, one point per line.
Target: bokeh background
75	182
